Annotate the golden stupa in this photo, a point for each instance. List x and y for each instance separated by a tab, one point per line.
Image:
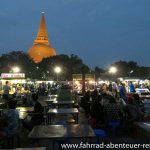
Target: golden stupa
41	47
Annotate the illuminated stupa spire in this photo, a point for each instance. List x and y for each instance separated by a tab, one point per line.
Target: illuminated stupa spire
42	36
41	47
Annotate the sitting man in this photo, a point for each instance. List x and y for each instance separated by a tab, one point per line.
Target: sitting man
36	115
97	119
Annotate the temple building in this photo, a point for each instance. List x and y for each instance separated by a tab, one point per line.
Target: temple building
41	47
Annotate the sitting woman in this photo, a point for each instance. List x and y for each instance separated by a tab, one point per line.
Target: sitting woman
97	115
132	114
12	118
113	111
36	115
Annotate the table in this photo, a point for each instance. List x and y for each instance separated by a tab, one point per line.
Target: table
43	133
49	101
53	96
61	131
35	148
145	97
73	111
145	129
60	103
23	111
147	106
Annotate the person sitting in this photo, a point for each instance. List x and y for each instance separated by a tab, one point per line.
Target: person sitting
94	95
103	88
112	110
138	102
132	114
113	115
12	118
3	124
97	119
36	115
85	102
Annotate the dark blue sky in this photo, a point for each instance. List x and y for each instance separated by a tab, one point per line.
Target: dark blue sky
99	31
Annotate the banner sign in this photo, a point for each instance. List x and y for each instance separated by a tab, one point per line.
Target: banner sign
12	75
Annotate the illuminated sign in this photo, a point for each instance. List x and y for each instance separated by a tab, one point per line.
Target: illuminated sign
77	76
12	75
87	76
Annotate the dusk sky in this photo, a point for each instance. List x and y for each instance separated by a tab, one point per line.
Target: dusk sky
100	32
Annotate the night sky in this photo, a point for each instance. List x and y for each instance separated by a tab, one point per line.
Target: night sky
100	32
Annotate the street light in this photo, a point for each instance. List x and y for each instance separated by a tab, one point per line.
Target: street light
113	70
16	69
57	71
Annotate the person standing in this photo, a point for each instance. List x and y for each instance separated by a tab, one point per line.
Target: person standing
131	87
122	93
6	89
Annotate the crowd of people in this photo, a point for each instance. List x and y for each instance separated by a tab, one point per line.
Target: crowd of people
106	105
101	107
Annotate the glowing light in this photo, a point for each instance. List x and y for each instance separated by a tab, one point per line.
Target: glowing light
77	82
131	71
16	69
113	70
91	82
121	79
57	69
51	82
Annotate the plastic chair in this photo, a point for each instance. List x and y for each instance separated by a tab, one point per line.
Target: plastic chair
99	134
114	125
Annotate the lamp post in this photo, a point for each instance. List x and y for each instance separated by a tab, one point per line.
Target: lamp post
57	71
113	70
16	69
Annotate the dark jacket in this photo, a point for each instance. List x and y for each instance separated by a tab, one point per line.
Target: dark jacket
38	112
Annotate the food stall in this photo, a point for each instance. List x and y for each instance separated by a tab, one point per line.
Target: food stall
89	82
16	82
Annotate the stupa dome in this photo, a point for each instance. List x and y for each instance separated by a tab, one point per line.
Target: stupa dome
39	51
41	47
